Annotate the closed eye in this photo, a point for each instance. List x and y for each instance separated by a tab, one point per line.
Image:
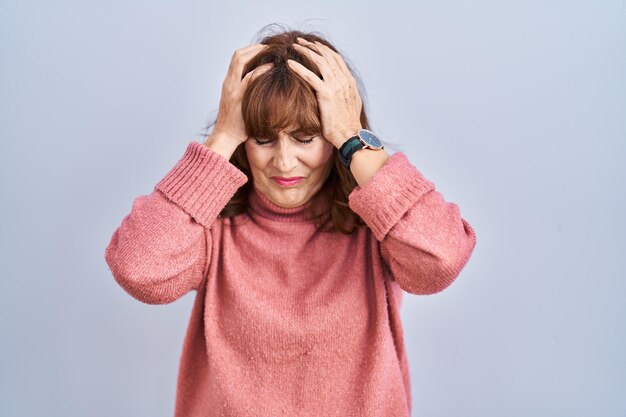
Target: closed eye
259	142
306	140
266	142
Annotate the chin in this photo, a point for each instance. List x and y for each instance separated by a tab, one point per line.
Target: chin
290	204
286	202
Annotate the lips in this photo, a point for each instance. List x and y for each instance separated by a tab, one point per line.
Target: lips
287	181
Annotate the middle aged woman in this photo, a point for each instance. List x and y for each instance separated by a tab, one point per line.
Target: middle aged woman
300	234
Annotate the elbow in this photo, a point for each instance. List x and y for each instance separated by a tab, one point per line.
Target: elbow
448	268
430	276
136	286
434	268
148	294
430	284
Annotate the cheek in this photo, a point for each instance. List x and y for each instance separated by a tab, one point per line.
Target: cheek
322	154
255	158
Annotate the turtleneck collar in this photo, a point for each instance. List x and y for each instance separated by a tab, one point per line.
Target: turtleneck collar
261	205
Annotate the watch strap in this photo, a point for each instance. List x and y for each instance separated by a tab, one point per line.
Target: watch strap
349	147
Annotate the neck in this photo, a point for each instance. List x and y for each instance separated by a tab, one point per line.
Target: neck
261	205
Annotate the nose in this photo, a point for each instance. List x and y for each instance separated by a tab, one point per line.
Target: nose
285	160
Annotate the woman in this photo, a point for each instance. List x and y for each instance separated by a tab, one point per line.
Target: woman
299	282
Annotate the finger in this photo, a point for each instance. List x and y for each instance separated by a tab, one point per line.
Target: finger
308	75
323	51
254	46
249	48
241	57
318	53
251	75
339	61
322	63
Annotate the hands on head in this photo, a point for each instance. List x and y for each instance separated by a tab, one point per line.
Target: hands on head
230	118
337	93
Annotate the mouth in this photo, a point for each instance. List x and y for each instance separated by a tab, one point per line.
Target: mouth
287	182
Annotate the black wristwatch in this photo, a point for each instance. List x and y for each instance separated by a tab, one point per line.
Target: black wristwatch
363	139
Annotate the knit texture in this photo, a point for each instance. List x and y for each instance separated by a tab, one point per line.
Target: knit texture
289	321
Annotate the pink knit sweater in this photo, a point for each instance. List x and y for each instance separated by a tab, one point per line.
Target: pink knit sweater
288	321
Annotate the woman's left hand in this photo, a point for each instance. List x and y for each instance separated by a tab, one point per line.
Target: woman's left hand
337	94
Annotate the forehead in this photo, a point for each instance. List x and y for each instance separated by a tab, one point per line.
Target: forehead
296	129
277	113
274	132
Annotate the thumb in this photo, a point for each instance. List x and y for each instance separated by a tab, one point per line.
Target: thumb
255	73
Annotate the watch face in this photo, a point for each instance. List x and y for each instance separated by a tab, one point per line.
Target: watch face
370	138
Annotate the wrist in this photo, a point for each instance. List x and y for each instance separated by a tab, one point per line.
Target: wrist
222	143
359	144
339	137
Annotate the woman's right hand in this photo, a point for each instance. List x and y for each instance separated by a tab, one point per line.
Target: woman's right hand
230	117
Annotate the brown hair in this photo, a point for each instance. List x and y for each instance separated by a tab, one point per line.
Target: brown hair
280	99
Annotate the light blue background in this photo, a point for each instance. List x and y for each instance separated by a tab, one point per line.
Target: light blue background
515	109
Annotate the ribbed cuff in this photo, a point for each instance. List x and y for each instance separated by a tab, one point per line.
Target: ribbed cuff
390	193
201	183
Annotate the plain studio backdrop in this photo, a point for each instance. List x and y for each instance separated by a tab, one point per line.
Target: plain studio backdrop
515	110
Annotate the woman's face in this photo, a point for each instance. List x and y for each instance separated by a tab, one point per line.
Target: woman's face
288	157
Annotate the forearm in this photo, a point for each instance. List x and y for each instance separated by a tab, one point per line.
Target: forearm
424	239
157	254
365	163
159	251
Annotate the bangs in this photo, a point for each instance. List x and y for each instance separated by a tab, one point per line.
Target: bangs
280	102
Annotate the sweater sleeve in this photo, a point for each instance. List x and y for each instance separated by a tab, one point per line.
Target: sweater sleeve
423	239
160	250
